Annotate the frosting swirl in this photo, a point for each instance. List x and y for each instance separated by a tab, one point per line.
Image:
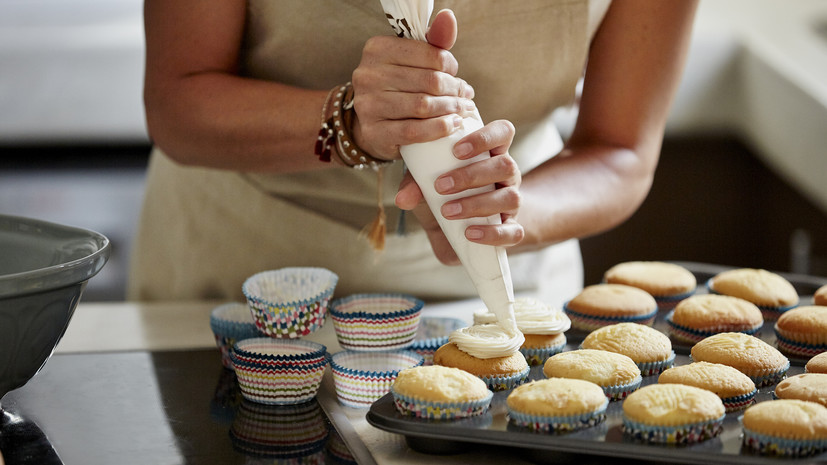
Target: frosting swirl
533	317
487	340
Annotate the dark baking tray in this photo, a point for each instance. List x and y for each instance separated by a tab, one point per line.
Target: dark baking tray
606	439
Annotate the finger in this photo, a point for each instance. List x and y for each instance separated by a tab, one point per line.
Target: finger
443	30
401	105
501	170
410	131
409	194
508	234
495	137
505	202
383	50
408	79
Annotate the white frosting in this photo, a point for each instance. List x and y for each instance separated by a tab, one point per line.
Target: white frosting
487	341
533	317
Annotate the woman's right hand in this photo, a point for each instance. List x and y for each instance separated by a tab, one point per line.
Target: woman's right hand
406	91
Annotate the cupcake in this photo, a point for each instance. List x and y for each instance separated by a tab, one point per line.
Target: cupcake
557	405
820	296
736	390
498	373
668	283
672	414
542	326
785	428
650	349
606	304
802	331
772	293
615	373
817	364
437	392
702	316
763	363
806	386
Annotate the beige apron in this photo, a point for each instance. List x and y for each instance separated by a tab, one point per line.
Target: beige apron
203	231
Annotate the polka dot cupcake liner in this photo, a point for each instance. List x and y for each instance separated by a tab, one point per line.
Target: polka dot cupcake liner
504	383
656	367
376	322
774	446
290	302
620	391
362	378
679	434
412	407
273	431
231	322
692	335
737	403
538	356
561	424
585	322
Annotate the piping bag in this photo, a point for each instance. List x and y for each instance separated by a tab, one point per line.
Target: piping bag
486	265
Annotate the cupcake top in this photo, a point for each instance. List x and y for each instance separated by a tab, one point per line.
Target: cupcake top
723	380
820	296
533	317
557	397
787	418
760	287
615	300
451	356
817	364
656	278
639	342
738	350
806	386
672	405
440	384
810	319
711	310
598	366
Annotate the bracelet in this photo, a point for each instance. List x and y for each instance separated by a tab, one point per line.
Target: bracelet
340	123
323	141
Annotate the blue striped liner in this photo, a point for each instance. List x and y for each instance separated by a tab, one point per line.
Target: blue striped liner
697	334
316	349
766	444
415	305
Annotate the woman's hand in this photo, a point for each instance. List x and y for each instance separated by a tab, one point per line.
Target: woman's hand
500	170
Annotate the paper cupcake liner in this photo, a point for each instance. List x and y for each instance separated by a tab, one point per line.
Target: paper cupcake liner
655	368
376	322
679	434
770	313
693	335
798	349
264	350
593	322
768	377
668	302
538	356
290	383
736	403
427	347
504	383
231	322
620	391
775	446
290	302
286	429
418	408
361	378
561	424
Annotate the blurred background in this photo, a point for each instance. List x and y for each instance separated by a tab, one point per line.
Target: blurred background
742	179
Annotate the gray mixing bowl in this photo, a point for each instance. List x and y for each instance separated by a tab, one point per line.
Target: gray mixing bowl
44	268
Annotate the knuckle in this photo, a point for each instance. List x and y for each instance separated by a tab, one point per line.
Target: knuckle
422	106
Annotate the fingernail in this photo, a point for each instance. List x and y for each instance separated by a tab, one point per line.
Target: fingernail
444	184
468	91
451	209
457	121
473	233
463	149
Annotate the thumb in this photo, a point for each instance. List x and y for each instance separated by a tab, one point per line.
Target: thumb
443	30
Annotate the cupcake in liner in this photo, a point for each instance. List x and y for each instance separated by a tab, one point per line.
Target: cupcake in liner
656	367
506	382
805	386
231	322
770	292
290	302
536	356
557	405
681	434
668	283
817	364
692	335
802	331
785	428
736	390
649	348
361	378
440	393
761	362
797	349
606	304
617	374
376	322
591	322
285	432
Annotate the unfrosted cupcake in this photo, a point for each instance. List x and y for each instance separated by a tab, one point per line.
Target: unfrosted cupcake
736	390
802	331
817	364
672	414
650	349
437	392
543	327
557	405
702	316
785	428
668	283
771	292
806	386
499	373
763	363
617	374
600	305
820	296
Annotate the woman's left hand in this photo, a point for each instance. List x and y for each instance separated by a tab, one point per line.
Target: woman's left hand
500	170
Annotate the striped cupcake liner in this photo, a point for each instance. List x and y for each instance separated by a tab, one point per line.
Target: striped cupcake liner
561	424
504	383
774	446
290	302
269	351
656	367
591	322
797	348
427	347
737	403
418	408
362	378
680	434
620	391
770	313
376	322
231	322
283	429
280	387
769	378
538	356
669	302
693	335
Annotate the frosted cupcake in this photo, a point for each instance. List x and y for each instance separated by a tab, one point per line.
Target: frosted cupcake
763	363
701	316
771	292
542	326
802	331
557	405
672	414
650	349
668	283
736	390
806	386
601	305
785	428
437	392
617	374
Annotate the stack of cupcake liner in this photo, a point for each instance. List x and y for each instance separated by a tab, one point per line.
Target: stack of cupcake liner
230	323
273	371
279	432
361	378
376	322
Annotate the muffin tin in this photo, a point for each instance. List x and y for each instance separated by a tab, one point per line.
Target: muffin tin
606	439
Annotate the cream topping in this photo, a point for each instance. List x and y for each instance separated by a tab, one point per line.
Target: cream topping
533	317
487	340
